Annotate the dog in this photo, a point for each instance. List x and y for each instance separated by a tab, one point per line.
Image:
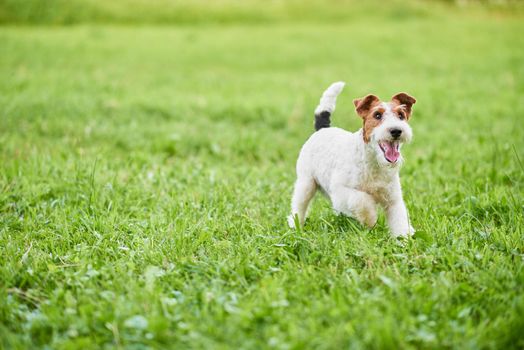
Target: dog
356	171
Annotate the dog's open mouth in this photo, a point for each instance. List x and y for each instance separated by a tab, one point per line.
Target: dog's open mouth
390	150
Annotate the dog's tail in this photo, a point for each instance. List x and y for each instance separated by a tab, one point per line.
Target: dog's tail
327	105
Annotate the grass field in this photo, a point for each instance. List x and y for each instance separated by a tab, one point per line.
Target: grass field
146	173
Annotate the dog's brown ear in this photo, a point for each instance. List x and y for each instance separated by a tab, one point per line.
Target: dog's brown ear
364	104
404	99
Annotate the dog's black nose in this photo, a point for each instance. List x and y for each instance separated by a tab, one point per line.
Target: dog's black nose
395	133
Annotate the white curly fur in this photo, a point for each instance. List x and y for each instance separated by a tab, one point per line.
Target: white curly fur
353	174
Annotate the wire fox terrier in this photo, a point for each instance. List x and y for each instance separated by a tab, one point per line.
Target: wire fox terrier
356	171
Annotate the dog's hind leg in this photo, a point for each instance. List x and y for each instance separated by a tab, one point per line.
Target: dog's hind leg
357	204
305	189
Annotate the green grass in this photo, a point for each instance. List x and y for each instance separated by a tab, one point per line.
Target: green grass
146	172
67	12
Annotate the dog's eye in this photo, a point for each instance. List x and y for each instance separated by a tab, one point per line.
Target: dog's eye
377	115
401	116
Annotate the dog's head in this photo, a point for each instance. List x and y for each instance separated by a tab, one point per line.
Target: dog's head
386	125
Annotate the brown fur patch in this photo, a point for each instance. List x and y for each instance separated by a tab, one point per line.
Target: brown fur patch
400	111
364	104
403	99
365	108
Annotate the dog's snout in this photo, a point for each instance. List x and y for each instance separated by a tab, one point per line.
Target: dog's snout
395	133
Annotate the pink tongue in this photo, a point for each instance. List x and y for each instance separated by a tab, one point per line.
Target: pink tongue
391	153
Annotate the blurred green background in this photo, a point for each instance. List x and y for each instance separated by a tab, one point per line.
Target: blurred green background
63	12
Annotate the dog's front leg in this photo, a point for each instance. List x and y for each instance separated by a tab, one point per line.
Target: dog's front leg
354	203
398	219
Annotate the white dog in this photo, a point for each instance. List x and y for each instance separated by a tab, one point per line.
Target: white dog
357	170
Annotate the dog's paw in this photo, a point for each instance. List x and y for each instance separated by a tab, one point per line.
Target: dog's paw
403	233
291	221
368	216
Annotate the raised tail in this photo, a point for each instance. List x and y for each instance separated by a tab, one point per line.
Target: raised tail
327	105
